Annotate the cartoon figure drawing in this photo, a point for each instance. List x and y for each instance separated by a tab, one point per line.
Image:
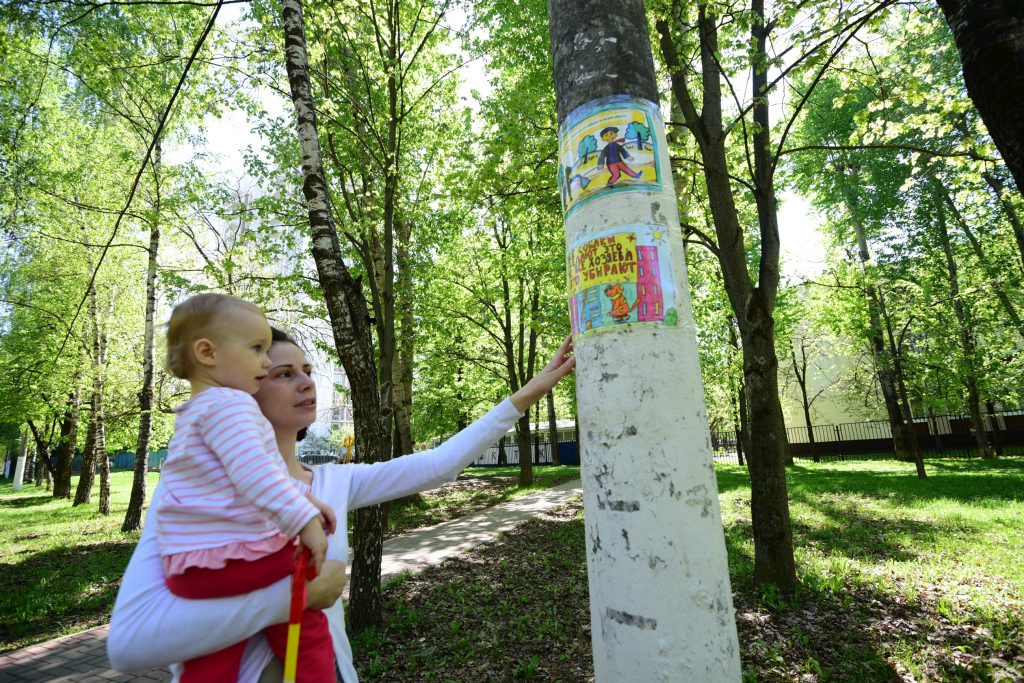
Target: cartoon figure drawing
620	307
614	156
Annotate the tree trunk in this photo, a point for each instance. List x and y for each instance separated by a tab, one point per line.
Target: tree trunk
967	344
101	457
743	435
523	442
404	358
990	37
65	452
553	430
991	273
576	435
536	433
19	467
994	431
87	474
902	435
800	370
502	455
743	446
1003	197
350	325
908	435
133	516
660	599
769	502
752	305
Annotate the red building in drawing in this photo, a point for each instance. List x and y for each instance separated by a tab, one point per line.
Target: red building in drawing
648	285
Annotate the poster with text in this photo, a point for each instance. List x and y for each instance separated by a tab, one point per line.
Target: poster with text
607	147
621	277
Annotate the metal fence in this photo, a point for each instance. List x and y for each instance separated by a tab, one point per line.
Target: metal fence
541	453
123	461
937	436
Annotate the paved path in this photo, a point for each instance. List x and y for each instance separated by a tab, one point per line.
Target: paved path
82	657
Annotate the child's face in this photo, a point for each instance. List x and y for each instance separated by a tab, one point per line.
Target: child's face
240	360
608	135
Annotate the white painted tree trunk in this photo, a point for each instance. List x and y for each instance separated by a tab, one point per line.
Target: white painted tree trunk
660	598
19	467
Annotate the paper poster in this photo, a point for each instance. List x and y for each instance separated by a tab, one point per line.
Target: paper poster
621	277
607	146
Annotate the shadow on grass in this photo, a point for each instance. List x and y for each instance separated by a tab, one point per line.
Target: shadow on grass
59	588
859	535
974	481
843	627
853	532
25	501
904	487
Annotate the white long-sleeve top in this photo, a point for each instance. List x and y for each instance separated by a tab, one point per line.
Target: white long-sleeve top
151	628
226	489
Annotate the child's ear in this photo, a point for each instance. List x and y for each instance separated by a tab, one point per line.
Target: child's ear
205	352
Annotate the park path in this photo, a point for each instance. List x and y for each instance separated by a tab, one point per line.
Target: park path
82	657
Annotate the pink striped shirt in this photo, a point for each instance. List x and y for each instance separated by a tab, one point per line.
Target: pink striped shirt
227	493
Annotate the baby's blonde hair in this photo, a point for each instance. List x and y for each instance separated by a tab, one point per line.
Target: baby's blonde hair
194	318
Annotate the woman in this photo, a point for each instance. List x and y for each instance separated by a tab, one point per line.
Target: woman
152	628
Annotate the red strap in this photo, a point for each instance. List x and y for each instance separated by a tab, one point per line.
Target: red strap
303	572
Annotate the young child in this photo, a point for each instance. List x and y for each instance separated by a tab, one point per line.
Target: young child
230	512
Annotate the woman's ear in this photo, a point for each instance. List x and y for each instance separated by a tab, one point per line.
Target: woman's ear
205	352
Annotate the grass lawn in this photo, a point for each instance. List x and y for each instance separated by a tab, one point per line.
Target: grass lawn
900	580
60	566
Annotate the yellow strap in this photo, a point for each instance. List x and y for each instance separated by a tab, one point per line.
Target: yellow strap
291	653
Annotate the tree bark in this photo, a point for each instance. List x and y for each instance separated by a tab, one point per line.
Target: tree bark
94	450
968	348
65	452
553	430
752	305
133	516
403	367
743	446
994	431
350	325
102	460
990	37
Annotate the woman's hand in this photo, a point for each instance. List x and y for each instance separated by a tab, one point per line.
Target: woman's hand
326	588
562	364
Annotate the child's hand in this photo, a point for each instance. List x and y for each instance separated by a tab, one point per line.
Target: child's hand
328	518
313	537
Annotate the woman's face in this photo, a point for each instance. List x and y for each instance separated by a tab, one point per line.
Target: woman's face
287	395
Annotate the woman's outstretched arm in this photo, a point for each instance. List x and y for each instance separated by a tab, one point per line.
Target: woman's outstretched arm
383	481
